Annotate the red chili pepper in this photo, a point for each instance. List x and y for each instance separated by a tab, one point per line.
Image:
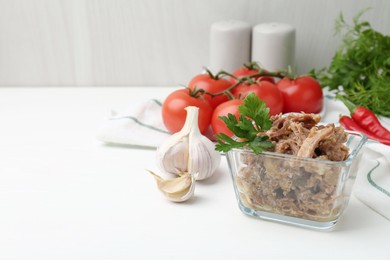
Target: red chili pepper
368	120
351	124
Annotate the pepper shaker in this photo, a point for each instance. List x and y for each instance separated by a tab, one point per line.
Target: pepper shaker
230	45
273	46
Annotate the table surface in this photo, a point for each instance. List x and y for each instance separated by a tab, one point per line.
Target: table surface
65	195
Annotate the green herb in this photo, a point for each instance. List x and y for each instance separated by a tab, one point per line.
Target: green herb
254	119
361	66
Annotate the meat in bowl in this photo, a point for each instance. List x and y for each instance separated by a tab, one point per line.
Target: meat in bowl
304	179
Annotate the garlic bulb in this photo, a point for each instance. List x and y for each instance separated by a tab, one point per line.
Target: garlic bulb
172	155
189	151
178	189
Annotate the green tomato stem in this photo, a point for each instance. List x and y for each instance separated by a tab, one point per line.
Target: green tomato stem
214	77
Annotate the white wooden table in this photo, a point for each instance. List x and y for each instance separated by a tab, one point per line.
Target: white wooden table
65	195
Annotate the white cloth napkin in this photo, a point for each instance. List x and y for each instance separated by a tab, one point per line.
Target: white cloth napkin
372	185
138	125
141	125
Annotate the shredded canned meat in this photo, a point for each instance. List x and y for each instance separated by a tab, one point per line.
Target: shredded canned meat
296	186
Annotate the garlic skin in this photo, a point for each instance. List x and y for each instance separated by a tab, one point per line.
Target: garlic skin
178	189
172	156
189	151
203	158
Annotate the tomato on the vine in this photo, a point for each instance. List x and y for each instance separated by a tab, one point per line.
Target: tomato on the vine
265	90
174	113
303	94
218	125
212	84
249	70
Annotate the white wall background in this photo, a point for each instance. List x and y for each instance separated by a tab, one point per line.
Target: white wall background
151	42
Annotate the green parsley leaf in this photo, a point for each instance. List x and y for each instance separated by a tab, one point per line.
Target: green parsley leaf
233	125
361	65
225	143
254	119
256	109
260	144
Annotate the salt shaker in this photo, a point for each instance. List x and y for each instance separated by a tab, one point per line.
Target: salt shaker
230	45
273	46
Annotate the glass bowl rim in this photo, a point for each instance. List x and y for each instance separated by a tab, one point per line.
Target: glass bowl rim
352	155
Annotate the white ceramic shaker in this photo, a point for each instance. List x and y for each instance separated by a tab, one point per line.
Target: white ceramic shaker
273	46
230	45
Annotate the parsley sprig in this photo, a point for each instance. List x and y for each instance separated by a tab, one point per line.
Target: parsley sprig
361	66
254	119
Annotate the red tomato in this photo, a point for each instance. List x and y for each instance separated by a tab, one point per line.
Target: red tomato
248	71
210	84
303	94
174	113
224	109
265	90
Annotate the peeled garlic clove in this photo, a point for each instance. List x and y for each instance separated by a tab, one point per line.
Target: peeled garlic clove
178	189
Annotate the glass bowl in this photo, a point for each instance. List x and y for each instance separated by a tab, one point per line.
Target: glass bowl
306	192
